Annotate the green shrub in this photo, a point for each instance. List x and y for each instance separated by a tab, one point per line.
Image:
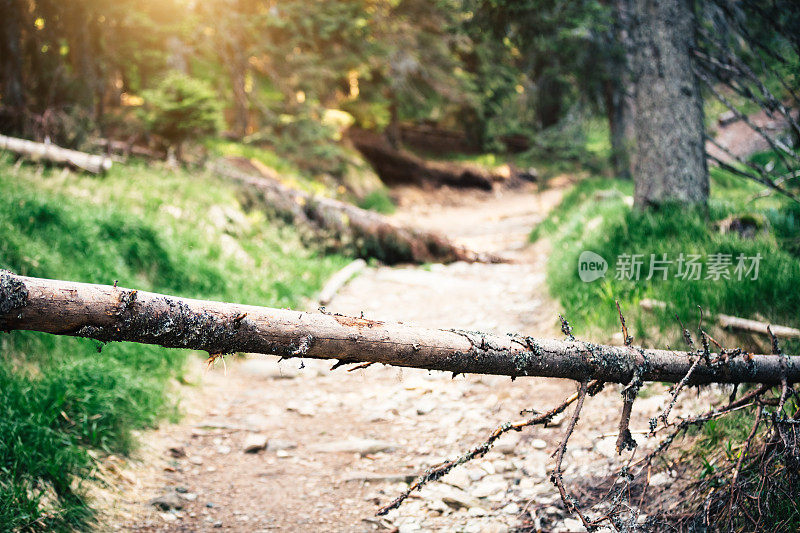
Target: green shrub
182	108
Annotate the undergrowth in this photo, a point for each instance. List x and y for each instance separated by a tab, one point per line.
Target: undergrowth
596	215
148	228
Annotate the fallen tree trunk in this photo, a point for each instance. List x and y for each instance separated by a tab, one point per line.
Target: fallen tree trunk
397	167
735	322
96	164
109	313
365	233
127	149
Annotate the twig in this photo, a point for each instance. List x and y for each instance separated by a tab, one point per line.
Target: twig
556	477
358	367
664	416
436	472
738	468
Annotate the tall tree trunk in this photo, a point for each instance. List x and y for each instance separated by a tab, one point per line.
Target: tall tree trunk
669	158
12	99
618	92
550	99
619	110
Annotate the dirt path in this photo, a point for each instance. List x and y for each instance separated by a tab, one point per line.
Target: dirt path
340	444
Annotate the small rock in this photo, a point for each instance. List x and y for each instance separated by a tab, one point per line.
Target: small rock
362	446
571	524
477	511
223	449
475	474
511	508
196	460
282	454
423	408
408	527
255	442
189	496
218	524
437	505
660	479
458	478
168	517
606	446
538	444
508	444
177	451
280	444
457	498
489	487
501	466
167	501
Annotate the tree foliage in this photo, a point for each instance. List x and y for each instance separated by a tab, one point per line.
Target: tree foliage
181	108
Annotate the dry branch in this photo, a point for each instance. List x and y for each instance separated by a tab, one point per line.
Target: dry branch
367	233
108	313
96	164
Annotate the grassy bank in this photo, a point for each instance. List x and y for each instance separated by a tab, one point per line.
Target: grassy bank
596	215
182	233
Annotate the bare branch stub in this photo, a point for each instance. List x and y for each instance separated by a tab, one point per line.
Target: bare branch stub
627	339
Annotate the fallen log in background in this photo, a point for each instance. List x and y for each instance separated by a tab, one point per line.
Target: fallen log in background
127	149
397	166
734	322
347	227
96	164
108	313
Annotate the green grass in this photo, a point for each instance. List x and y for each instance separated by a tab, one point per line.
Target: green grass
182	233
379	201
288	173
596	215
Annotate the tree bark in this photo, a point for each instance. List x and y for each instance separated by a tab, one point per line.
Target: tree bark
96	164
346	227
619	92
109	314
669	158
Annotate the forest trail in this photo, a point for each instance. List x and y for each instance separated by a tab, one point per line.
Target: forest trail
342	443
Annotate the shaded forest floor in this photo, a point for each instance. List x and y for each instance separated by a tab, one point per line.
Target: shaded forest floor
340	444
